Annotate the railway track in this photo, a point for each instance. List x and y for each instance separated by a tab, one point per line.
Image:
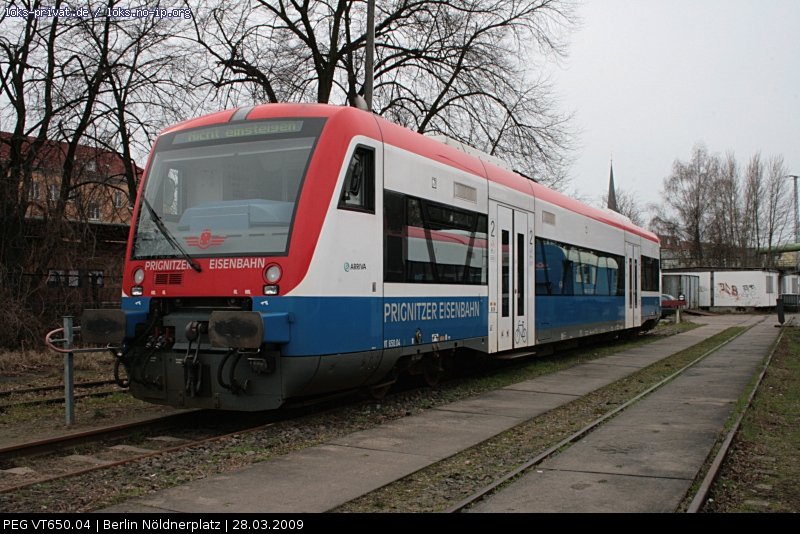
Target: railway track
44	389
24	397
699	497
75	454
116	445
466	471
64	456
96	446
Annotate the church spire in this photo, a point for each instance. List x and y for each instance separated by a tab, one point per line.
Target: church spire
612	192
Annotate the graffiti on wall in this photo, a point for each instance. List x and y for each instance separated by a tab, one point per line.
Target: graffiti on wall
745	295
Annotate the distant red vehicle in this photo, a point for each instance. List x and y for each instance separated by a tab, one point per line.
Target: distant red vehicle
669	304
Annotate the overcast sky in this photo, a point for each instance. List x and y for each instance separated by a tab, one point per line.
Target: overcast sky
648	79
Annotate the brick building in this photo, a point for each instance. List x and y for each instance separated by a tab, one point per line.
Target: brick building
86	267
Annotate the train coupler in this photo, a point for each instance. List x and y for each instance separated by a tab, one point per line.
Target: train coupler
192	370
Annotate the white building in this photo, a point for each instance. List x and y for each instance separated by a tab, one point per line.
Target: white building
753	288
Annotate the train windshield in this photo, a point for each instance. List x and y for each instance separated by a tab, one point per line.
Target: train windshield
225	190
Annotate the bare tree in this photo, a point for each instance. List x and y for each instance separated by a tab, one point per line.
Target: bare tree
753	197
686	195
723	240
628	205
721	216
65	84
29	72
463	68
145	90
777	208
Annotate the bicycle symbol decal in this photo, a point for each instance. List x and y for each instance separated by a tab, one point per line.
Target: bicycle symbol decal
521	333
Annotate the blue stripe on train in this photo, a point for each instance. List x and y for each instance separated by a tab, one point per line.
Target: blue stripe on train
327	325
436	319
563	311
651	307
330	325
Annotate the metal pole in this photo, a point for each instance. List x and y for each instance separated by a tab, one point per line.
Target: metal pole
370	59
796	224
69	388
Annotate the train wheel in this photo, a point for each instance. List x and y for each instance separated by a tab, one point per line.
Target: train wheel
432	370
379	392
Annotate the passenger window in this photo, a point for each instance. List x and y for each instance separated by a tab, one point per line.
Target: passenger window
430	243
358	191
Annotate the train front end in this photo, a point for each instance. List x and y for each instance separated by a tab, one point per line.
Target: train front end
209	257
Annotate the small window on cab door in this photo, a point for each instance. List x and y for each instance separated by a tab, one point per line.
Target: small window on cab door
358	191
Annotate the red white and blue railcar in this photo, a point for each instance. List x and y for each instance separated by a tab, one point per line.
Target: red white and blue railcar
286	251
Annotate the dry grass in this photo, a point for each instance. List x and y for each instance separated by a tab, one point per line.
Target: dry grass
17	362
32	368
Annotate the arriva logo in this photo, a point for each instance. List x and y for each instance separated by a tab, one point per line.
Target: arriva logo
354	266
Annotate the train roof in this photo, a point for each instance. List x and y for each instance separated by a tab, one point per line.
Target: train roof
426	146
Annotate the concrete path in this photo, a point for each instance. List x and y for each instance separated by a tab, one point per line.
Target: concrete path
320	478
645	459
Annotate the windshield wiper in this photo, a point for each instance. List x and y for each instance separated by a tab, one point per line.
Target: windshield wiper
169	237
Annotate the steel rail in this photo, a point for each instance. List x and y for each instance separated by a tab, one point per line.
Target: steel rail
45	445
60	400
27	391
137	458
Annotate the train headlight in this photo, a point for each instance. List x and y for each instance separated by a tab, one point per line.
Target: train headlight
138	276
272	273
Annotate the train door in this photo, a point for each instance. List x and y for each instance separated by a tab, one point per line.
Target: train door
633	286
514	242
